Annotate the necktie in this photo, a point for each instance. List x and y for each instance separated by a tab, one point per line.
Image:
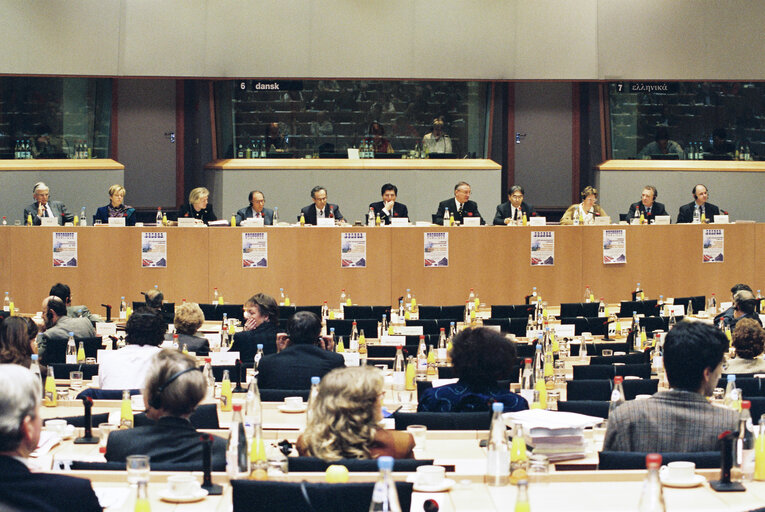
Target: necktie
515	217
648	211
459	210
321	213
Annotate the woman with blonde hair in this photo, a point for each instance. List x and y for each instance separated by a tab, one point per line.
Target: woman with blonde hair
188	319
343	419
116	207
198	207
749	342
586	211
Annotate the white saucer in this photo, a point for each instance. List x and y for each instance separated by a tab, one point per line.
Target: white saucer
167	495
292	410
693	482
445	485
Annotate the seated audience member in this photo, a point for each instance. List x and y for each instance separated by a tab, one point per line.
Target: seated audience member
116	207
662	146
647	206
256	209
198	207
64	293
126	368
744	306
721	146
388	207
379	143
437	141
514	208
274	139
58	325
155	300
749	341
700	196
344	419
460	205
188	319
15	344
261	315
42	207
320	208
586	211
173	389
21	487
303	358
727	315
680	419
481	357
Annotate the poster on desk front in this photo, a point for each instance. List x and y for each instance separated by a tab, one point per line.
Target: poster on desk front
614	246
65	249
437	249
542	248
255	250
154	249
353	249
713	246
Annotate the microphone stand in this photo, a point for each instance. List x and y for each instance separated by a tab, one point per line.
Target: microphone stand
606	336
88	437
207	484
724	484
238	388
108	312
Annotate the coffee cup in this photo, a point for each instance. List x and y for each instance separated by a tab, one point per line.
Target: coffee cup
293	402
679	471
56	426
182	485
430	476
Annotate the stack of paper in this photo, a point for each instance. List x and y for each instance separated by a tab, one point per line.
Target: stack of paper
559	435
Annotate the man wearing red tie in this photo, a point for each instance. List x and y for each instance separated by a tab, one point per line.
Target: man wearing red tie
647	206
256	209
460	205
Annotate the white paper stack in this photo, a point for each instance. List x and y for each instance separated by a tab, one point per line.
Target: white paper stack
559	435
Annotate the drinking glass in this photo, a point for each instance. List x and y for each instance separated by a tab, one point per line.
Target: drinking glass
104	429
75	380
539	468
607	352
137	469
419	433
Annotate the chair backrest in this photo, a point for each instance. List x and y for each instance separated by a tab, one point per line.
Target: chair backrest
343	327
311	464
594	371
597	408
636	460
454	313
79	421
55	350
429	325
596	325
512	311
699	302
61	370
631	358
758	408
748	386
105	394
651	323
366	312
215	311
590	389
389	350
267	496
156	466
641	307
635	387
580	324
444	420
634	370
278	395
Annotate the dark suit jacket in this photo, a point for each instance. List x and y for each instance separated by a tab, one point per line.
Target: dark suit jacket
170	439
57	207
102	214
399	210
504	211
247	213
310	212
686	212
293	367
469	209
206	214
23	490
197	344
656	209
246	342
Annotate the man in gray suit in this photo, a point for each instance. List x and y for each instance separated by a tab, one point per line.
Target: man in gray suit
42	207
58	325
681	419
256	209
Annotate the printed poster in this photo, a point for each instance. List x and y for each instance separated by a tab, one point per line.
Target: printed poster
614	246
713	250
353	249
437	249
65	249
542	248
154	249
254	250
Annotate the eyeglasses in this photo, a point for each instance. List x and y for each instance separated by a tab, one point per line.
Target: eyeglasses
517	196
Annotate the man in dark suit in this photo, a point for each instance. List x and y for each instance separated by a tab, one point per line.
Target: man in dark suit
513	210
42	207
647	206
320	207
388	207
700	196
256	209
173	389
304	357
20	488
261	313
460	205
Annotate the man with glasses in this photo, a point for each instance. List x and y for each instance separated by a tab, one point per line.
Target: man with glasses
460	206
42	207
513	210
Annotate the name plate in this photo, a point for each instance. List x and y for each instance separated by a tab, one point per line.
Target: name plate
213	339
223	358
117	221
351	358
471	221
662	220
48	221
408	330
564	330
106	328
399	221
392	340
325	222
255	222
496	328
678	309
353	153
722	219
602	220
537	221
186	222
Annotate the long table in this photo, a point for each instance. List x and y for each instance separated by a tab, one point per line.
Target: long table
306	262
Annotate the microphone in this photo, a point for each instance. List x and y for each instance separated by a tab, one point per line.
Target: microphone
88	437
108	312
207	483
238	388
606	336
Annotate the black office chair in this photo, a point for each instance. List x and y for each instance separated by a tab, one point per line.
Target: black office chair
631	358
312	464
429	326
597	408
55	350
79	421
594	371
267	496
636	460
343	327
699	302
377	351
366	312
213	312
749	386
581	324
61	370
278	395
444	420
635	387
156	466
593	389
641	307
512	311
105	394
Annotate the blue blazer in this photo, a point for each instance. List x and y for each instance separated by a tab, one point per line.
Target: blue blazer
102	214
247	213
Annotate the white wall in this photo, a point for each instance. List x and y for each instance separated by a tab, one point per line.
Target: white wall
460	39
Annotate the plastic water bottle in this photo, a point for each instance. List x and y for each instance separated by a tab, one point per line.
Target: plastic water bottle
312	395
696	215
276	215
159	217
446	216
745	442
371	217
237	457
258	355
35	367
7	303
617	394
498	457
253	415
384	495
652	497
83	218
71	350
207	372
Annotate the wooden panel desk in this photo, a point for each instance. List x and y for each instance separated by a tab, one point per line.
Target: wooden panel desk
666	260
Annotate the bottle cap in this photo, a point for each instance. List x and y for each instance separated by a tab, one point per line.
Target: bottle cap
746	404
34	357
539	347
527	360
385	463
618	379
260	346
237	407
652	460
315	380
443	329
399	347
497	407
208	359
731	378
71	334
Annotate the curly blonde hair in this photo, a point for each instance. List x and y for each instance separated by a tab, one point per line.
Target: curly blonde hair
343	418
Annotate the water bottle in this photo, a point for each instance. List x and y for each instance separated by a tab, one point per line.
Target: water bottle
159	217
652	497
384	495
446	216
745	442
258	355
207	372
617	394
7	303
35	367
237	458
71	350
696	214
276	216
498	457
371	217
312	395
253	415
83	218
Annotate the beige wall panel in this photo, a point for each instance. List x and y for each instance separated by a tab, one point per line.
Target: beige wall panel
557	39
164	38
54	37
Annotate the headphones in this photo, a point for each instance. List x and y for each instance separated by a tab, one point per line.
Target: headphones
156	399
696	186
